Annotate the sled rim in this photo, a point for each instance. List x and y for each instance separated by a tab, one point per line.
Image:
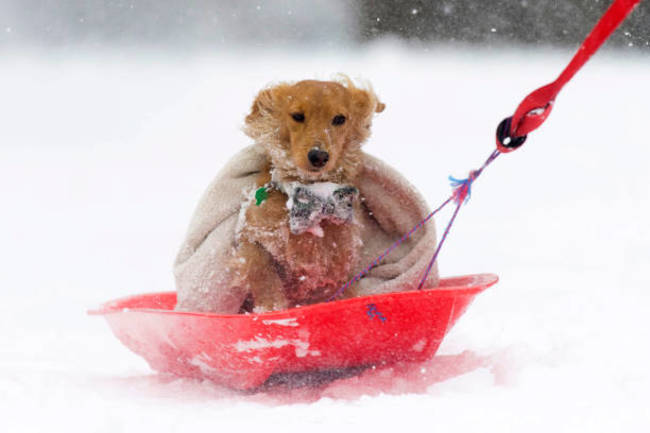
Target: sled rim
453	286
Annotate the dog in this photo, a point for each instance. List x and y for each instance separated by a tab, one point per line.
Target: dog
298	237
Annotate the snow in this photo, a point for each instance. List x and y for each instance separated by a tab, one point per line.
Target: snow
292	322
202	361
103	157
258	343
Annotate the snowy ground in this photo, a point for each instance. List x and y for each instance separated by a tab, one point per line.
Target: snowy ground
103	157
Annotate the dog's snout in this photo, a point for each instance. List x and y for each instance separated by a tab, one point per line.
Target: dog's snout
318	158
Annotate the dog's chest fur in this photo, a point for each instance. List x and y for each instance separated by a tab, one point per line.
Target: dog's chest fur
312	268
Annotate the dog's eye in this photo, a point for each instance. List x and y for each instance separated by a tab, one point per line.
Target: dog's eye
339	119
298	117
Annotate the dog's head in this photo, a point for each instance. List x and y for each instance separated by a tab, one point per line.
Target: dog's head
313	130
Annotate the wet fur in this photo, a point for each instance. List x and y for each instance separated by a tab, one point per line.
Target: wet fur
279	269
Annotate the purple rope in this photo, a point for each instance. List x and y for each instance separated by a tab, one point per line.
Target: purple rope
442	241
460	195
388	251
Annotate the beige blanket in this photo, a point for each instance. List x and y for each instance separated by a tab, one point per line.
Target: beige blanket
391	206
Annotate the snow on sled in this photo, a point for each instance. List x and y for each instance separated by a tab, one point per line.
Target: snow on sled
242	351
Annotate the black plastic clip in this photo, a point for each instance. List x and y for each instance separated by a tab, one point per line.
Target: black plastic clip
506	142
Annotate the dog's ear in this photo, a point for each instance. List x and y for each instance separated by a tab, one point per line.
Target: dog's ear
366	103
267	102
262	105
264	111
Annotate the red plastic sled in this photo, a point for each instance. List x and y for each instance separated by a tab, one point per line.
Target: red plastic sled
242	351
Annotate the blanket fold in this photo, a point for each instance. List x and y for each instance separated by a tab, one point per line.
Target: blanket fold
391	207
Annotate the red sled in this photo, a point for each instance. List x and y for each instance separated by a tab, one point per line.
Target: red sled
242	351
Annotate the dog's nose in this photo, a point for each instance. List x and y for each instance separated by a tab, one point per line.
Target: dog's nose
318	158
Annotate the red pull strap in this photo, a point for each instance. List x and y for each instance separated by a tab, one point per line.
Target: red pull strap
537	106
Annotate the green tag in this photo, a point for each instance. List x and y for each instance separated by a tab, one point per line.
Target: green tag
261	195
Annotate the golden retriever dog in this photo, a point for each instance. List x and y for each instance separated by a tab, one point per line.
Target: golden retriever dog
298	239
